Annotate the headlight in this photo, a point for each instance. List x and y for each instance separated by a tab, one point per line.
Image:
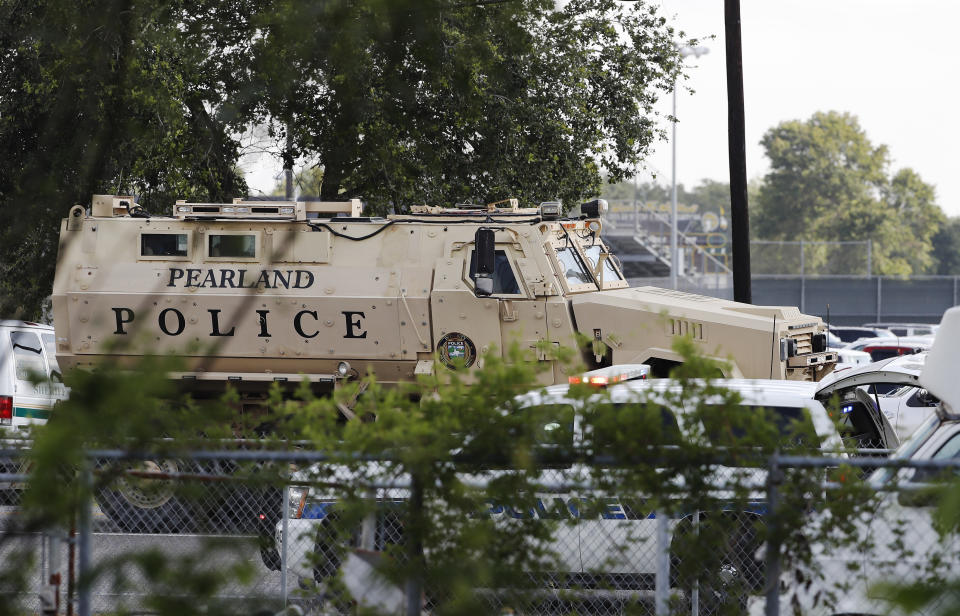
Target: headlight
298	498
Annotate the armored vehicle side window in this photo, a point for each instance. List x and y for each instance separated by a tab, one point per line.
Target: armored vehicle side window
27	355
164	244
232	246
610	273
573	268
504	282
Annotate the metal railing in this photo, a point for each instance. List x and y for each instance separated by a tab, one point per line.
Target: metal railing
610	555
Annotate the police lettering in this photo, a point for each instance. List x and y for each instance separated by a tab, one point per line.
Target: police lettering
305	323
238	279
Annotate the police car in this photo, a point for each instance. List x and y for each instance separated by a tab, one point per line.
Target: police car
592	550
30	379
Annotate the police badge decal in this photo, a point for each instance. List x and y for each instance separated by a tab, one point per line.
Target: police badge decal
456	351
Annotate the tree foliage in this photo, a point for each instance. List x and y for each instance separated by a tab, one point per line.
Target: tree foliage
100	96
411	102
828	182
399	101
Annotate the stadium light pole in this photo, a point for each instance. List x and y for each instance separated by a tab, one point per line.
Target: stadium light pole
696	52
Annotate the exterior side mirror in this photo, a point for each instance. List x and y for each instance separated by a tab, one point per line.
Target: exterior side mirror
484	247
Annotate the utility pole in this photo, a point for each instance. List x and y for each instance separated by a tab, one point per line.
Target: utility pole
288	165
739	217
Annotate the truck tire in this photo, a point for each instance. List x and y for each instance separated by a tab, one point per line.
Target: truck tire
148	505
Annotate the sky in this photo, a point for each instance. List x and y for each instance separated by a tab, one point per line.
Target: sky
894	65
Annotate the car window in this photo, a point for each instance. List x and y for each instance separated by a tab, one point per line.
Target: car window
849	335
793	423
573	268
553	424
608	437
27	355
504	281
948	451
879	353
922	398
899	331
49	350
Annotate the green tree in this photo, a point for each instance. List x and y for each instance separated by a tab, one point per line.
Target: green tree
828	182
306	181
102	96
946	247
411	102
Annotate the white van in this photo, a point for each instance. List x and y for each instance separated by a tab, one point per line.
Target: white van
30	379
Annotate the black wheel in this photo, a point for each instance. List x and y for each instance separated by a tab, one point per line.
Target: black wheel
147	505
721	562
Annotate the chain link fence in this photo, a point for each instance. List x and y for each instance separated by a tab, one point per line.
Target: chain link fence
250	535
802	258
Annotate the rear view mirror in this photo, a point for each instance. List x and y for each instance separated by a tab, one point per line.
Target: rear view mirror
484	246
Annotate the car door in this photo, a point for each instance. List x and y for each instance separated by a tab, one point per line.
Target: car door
905	532
31	390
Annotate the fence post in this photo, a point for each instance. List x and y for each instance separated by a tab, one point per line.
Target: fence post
772	568
83	543
695	592
414	584
662	589
879	296
285	534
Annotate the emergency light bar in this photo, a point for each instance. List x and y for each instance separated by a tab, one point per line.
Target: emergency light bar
611	375
284	210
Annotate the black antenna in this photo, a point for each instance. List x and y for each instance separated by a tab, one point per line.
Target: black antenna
828	317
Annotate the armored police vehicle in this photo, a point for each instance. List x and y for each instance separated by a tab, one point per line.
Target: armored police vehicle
254	292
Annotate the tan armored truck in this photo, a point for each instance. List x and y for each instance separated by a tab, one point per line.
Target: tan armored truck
254	292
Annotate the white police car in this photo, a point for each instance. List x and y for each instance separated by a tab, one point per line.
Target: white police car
590	552
30	379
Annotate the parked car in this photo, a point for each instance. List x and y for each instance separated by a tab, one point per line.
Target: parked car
591	549
907	329
882	348
902	540
849	333
847	358
893	385
30	379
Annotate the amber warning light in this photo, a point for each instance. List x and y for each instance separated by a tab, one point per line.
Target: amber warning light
611	375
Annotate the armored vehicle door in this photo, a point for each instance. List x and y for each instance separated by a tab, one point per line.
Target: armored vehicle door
466	326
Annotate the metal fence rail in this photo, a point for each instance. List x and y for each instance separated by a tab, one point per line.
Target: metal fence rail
263	539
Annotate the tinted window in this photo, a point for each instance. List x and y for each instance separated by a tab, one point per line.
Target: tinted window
163	244
793	423
849	335
504	282
573	269
27	355
237	246
878	353
608	427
